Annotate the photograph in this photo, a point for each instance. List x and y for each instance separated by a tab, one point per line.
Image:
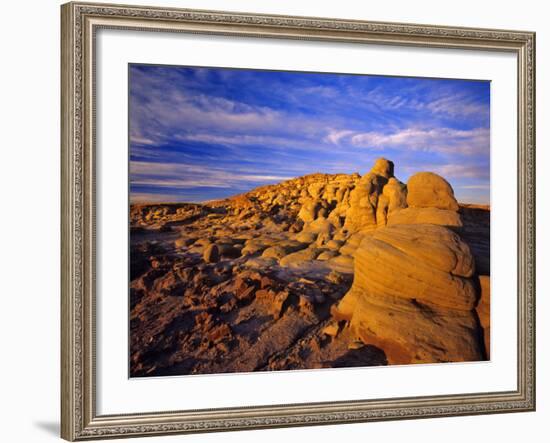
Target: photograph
284	220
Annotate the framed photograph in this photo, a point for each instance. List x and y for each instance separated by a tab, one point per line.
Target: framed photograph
283	221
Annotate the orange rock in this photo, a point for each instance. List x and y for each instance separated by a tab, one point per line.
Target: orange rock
429	190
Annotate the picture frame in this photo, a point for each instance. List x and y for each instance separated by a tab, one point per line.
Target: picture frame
80	24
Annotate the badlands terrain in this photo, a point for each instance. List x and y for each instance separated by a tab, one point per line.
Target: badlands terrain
322	271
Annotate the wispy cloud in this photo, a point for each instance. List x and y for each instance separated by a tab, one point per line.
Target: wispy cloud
207	132
335	135
475	171
459	105
185	175
472	141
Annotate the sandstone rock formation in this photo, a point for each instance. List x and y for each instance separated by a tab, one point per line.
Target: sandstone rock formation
434	216
413	295
263	280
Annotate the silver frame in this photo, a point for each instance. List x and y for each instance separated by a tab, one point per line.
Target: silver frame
80	21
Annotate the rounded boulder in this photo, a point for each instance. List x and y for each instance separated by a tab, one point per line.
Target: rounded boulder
429	190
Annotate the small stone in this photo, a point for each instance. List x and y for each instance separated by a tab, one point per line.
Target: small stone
331	329
180	243
211	254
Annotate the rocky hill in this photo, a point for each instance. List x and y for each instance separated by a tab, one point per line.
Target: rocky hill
319	271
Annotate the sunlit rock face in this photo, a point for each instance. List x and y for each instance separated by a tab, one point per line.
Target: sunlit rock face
414	296
414	292
429	190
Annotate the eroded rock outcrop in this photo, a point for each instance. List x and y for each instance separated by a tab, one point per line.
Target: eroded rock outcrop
263	280
362	212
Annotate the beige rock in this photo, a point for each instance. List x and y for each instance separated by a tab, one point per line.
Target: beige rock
326	255
297	258
427	262
413	295
253	246
330	192
211	254
316	189
346	307
309	211
306	237
396	193
323	238
202	242
383	167
413	333
433	216
363	202
260	263
331	329
340	235
283	248
342	263
338	215
320	225
352	243
393	198
429	190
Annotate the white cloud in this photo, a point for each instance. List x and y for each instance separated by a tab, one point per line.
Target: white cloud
452	141
458	105
443	101
334	136
477	171
141	140
322	91
187	176
243	140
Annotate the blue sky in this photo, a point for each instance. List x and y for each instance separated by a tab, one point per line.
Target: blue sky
199	134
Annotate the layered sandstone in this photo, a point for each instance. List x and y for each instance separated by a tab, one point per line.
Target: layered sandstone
413	295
